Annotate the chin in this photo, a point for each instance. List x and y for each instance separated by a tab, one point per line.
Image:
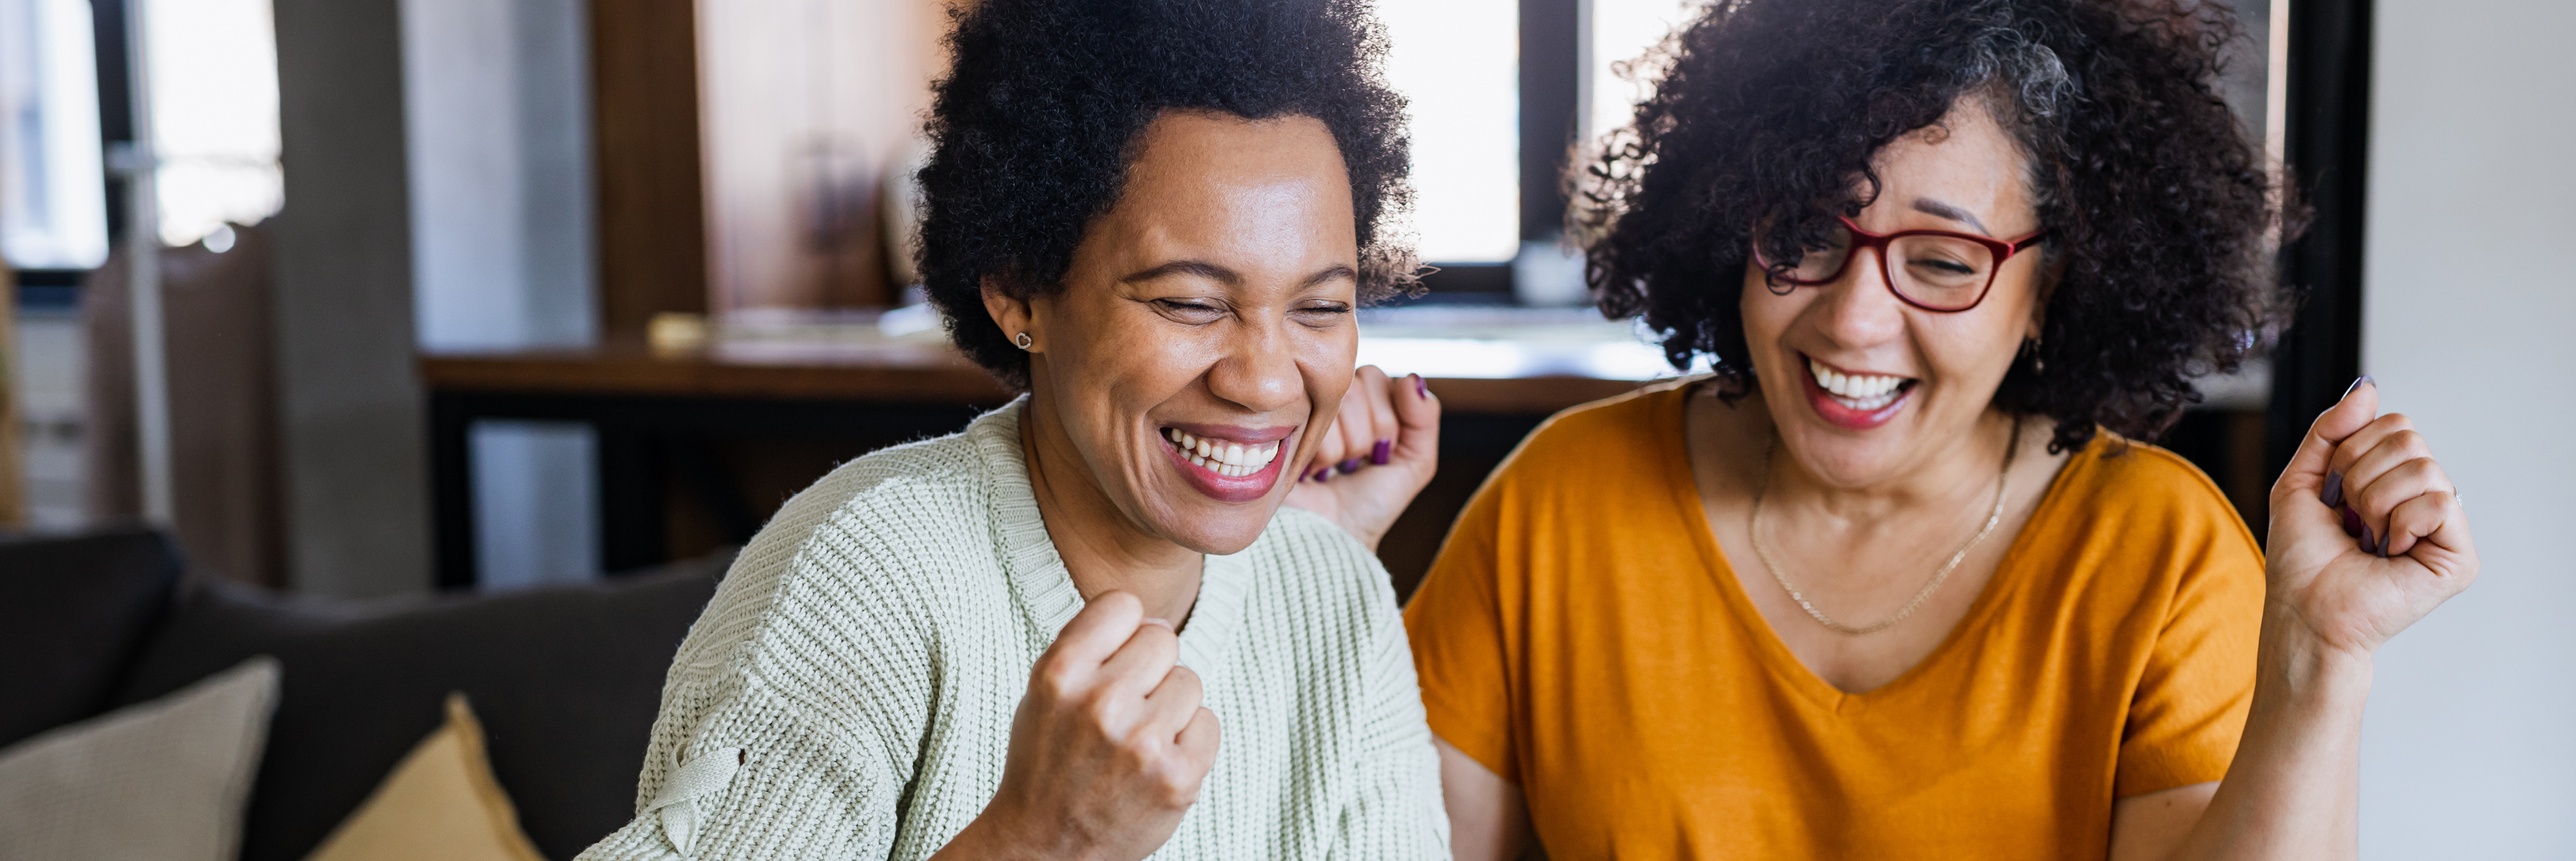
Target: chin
1222	533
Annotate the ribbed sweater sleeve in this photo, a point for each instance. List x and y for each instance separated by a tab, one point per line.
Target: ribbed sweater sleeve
813	661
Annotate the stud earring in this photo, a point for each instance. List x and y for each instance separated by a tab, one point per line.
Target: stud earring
1022	341
2038	364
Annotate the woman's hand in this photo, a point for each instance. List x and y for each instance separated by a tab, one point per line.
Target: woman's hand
1381	450
2367	537
1107	749
2368	534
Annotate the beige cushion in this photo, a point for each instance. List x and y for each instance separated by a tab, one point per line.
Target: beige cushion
162	780
440	804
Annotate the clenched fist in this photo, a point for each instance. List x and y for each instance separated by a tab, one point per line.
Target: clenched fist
1108	747
2368	534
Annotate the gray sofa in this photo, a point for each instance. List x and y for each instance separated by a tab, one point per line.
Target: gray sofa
564	680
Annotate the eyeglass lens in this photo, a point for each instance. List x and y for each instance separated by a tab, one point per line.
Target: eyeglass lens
1934	271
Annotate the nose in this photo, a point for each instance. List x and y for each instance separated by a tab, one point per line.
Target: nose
1858	309
1258	370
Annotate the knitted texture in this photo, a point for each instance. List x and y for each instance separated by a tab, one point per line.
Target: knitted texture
867	650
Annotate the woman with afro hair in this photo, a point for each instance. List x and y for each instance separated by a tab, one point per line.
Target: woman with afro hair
1085	627
1899	578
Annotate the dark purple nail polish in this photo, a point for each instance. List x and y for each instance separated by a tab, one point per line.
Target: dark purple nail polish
1319	475
2333	494
2356	383
1378	454
1420	386
2369	542
1349	466
2351	521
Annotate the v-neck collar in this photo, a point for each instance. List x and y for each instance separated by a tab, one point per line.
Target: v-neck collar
1776	655
1041	584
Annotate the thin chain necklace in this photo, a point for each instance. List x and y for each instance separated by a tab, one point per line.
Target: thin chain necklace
1754	529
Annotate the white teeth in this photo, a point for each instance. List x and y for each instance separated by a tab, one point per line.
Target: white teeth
1859	391
1224	458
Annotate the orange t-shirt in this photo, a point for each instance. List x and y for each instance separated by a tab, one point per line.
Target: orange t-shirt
1582	636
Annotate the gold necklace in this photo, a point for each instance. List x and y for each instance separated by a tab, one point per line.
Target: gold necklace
1754	529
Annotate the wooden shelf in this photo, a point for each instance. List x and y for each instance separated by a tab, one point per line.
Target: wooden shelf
890	373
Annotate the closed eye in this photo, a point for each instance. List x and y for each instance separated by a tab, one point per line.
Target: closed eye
1189	311
1322	315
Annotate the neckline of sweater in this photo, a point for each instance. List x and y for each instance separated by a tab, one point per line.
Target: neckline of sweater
1038	578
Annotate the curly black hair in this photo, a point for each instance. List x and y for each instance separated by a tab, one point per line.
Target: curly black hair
1037	120
2156	201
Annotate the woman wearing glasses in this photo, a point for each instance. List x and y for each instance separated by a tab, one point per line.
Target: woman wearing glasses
1896	580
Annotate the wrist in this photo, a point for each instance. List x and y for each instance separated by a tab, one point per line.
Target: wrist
993	835
2303	667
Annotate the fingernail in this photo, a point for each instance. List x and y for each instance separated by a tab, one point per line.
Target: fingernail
1154	621
1320	475
1420	386
1378	454
1348	466
2356	383
2333	494
2369	542
2351	521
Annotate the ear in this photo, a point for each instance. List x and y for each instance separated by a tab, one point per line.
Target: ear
1012	313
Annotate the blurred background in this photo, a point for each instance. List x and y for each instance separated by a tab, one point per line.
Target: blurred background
363	298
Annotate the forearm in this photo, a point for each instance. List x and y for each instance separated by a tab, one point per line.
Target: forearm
2293	790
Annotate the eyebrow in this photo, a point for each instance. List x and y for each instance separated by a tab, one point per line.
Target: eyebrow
1330	272
1229	277
1199	268
1929	206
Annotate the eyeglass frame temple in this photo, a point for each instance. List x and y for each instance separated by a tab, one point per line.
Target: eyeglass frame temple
2003	249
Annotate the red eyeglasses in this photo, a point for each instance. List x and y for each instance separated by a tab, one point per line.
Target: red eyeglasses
1935	270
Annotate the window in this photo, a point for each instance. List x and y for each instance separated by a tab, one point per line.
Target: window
53	208
1617	78
214	114
1458	65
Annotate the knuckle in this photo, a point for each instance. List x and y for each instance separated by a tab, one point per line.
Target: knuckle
1098	711
1179	786
1056	680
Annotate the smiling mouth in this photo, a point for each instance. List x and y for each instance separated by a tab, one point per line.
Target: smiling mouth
1228	459
1859	392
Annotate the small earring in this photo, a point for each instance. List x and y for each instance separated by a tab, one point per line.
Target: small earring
1022	341
2038	364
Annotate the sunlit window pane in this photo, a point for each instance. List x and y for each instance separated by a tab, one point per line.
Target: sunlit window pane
1620	76
53	207
1459	64
214	113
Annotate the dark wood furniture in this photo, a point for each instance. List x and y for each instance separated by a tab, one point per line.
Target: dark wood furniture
697	449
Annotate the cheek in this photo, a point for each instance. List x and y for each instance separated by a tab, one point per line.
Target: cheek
1325	363
1768	316
1151	364
1969	346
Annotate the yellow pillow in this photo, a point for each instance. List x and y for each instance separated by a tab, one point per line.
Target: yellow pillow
440	804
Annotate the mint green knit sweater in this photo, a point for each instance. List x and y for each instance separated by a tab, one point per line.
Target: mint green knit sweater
849	692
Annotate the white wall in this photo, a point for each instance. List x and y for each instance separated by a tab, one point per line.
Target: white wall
497	97
2470	313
